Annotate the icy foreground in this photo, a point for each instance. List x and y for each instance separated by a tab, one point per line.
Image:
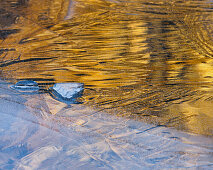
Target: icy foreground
39	132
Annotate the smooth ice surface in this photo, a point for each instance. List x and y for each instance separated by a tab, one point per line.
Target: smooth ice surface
68	90
38	132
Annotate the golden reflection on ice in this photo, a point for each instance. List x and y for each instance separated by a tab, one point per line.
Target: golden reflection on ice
145	60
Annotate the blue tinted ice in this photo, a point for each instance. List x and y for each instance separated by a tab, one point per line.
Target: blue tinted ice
37	133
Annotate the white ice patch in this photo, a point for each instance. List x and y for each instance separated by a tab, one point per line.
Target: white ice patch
33	160
68	90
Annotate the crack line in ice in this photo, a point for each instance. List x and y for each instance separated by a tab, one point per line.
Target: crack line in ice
34	122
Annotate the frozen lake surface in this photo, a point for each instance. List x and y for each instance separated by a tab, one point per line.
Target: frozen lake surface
146	67
38	132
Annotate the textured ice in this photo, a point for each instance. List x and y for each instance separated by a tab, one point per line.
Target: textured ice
39	132
68	90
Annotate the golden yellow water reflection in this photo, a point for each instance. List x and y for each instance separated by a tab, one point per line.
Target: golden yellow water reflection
148	60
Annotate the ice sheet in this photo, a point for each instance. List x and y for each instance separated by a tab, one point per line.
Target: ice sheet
39	132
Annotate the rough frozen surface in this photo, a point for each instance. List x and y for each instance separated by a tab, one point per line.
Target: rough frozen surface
38	132
68	90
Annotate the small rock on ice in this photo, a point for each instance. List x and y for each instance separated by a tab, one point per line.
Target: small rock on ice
26	86
69	90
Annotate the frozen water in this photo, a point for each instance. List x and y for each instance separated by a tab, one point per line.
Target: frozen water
39	132
68	90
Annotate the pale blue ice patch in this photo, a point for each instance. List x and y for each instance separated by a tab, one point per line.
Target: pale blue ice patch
36	132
